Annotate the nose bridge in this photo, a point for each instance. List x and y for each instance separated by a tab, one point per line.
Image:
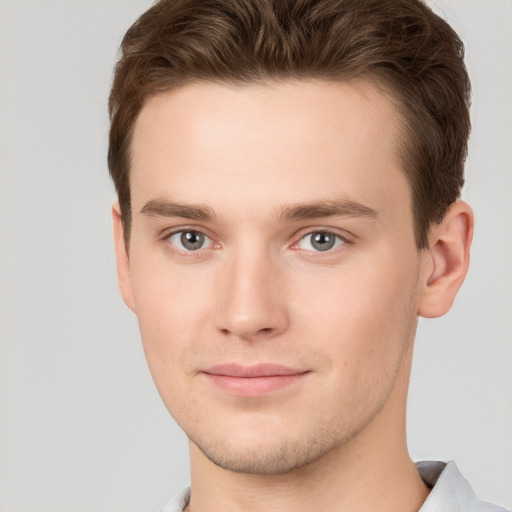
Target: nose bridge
250	302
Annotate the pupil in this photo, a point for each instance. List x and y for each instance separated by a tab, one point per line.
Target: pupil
192	240
323	241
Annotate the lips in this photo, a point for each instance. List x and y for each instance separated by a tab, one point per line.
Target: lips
256	380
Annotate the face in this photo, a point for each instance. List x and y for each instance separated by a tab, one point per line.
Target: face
272	265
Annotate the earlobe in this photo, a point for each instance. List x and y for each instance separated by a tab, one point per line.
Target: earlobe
446	261
122	259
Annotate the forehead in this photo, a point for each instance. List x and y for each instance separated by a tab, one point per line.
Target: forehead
279	142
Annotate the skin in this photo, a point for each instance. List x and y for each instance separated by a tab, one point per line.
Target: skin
258	290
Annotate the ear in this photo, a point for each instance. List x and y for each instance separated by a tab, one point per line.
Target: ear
122	260
446	261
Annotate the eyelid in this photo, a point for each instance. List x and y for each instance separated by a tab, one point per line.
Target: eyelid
169	231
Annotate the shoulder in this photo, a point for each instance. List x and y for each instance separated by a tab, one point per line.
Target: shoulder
450	492
178	502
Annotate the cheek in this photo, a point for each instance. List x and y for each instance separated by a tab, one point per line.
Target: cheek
172	307
363	314
168	330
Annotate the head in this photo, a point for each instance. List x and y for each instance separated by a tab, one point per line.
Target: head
287	175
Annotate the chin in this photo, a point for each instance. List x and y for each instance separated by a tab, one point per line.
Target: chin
269	455
280	460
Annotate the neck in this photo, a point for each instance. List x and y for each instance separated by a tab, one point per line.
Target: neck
396	488
371	472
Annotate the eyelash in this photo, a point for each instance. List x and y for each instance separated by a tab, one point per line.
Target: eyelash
194	253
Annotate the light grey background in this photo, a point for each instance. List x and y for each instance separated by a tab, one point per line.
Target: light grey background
81	425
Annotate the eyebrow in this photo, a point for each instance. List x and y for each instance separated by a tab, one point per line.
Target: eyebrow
301	211
165	208
341	208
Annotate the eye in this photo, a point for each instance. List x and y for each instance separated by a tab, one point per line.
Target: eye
320	241
189	240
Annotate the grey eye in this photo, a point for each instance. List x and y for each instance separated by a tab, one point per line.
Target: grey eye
323	241
320	241
192	240
188	240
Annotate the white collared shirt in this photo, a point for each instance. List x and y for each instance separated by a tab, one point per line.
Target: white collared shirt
450	491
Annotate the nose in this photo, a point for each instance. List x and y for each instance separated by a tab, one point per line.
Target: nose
251	300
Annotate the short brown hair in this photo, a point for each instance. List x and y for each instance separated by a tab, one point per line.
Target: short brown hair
400	45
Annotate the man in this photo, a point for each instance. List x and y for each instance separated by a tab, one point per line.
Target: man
288	175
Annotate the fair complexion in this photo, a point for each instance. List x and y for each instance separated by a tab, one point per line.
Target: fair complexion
273	270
